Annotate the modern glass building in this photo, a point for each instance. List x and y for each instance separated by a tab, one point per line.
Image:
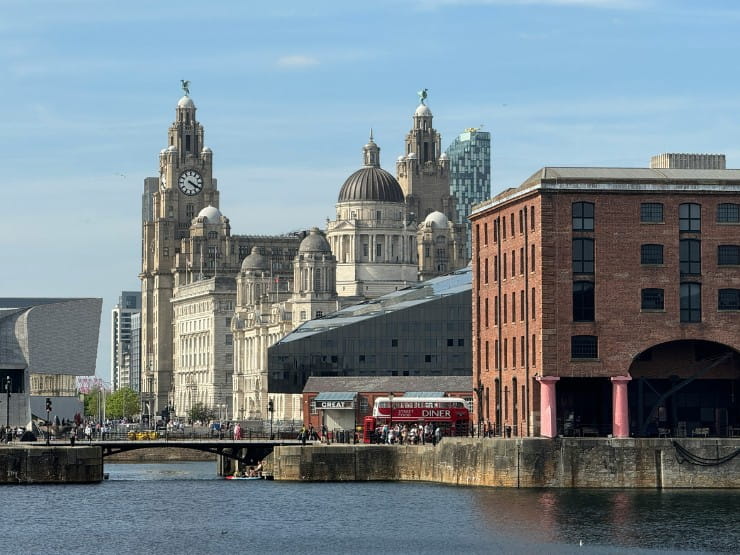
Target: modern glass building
129	303
470	173
423	330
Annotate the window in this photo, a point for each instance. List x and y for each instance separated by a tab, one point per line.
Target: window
521	221
319	313
513	352
495	268
728	213
513	263
512	224
503	273
450	342
504	311
534	351
229	339
583	301
691	302
652	299
379	250
377	215
690	256
513	307
689	217
583	216
584	346
190	211
485	271
531	260
651	254
394	342
461	342
485	233
534	313
728	255
487	356
503	227
531	218
485	311
522	308
365	250
495	311
729	299
521	261
651	212
583	256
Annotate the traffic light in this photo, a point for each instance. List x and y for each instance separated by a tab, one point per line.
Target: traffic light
48	405
270	406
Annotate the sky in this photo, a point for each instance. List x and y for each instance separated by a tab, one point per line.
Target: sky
287	93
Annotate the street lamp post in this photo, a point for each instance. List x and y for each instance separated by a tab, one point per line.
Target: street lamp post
479	392
8	382
390	413
271	410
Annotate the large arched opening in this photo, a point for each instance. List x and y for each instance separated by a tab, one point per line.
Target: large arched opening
685	388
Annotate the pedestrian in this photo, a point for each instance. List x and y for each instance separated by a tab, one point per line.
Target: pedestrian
437	435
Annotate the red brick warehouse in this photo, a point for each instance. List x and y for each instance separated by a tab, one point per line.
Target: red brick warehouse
606	301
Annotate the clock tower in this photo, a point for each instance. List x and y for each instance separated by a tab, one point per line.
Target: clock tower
184	187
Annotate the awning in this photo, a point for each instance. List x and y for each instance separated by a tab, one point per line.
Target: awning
335	400
424	394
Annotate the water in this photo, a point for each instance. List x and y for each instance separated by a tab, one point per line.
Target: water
184	508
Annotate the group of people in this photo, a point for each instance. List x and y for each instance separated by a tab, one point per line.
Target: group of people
405	434
251	472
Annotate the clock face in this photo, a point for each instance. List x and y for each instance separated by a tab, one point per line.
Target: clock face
190	182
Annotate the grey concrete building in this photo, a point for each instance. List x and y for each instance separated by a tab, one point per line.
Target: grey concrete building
44	336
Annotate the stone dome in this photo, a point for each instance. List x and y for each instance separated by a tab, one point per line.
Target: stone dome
436	219
315	242
186	102
443	156
371	183
423	110
207	150
212	214
411	156
172	148
255	261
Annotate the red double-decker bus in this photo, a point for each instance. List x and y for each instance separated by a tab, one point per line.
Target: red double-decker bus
450	414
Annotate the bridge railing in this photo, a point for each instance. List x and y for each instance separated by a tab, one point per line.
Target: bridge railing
187	434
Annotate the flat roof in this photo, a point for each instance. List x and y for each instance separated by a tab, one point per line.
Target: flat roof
383	384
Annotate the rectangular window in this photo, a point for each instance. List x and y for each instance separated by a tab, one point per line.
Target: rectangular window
534	351
521	221
513	352
505	308
651	212
513	263
485	271
229	339
378	250
534	312
729	299
485	233
495	354
583	301
522	308
495	268
503	227
366	251
652	299
513	307
728	255
531	218
495	311
512	225
728	213
521	261
583	216
504	273
584	346
689	217
522	348
486	355
461	342
531	260
394	342
651	254
485	317
690	256
690	302
506	353
583	256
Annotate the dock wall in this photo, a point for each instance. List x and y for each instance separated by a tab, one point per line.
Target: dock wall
29	464
526	462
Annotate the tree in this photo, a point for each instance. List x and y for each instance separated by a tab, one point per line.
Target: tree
200	412
121	403
92	401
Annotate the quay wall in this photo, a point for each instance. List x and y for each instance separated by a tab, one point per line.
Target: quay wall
159	455
43	464
523	462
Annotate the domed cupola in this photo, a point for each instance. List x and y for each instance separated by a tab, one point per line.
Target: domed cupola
255	261
437	220
371	183
315	242
211	214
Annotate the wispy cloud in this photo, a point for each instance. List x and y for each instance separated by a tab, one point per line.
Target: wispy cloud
297	61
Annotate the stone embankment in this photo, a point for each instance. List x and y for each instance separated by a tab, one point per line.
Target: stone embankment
29	464
160	455
526	462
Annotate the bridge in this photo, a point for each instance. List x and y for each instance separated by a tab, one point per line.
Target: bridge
245	451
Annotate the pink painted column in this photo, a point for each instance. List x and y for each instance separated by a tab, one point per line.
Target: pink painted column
548	406
620	407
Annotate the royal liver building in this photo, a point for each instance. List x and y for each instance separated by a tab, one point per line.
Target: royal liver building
212	302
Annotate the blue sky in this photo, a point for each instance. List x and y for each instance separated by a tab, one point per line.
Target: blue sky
287	92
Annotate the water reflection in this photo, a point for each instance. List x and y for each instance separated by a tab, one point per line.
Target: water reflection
698	521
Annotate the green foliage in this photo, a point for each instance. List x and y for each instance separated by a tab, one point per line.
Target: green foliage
92	402
124	402
201	412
